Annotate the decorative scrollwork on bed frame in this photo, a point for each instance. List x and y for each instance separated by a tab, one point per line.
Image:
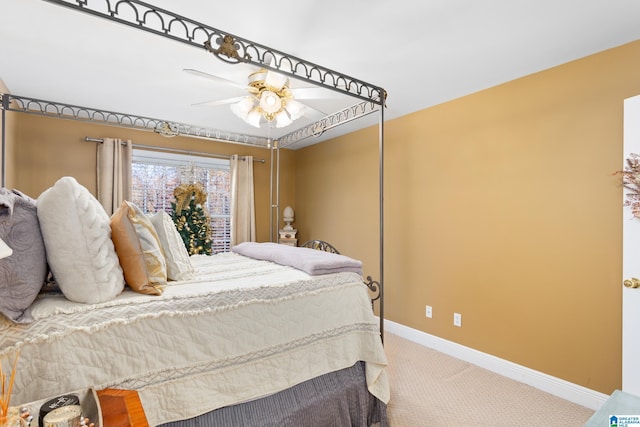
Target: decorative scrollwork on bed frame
320	245
22	104
234	49
227	50
319	127
375	287
60	110
228	47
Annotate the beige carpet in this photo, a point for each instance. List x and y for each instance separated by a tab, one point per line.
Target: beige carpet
429	388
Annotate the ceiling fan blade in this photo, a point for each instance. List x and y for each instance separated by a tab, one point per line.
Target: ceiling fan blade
313	113
214	78
220	102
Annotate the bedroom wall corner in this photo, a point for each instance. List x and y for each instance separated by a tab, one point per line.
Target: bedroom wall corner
288	186
337	196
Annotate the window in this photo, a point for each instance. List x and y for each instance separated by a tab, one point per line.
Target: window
156	175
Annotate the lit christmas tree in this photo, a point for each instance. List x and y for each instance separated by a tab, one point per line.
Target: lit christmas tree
191	218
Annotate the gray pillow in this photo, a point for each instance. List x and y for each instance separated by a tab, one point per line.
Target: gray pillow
24	272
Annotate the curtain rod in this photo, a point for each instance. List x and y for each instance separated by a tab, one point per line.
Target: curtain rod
171	150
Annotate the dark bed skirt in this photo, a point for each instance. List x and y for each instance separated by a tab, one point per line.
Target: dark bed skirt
336	399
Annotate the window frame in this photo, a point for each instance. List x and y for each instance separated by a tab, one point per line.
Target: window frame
182	162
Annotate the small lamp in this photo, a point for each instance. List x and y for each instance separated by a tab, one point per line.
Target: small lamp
5	250
287	217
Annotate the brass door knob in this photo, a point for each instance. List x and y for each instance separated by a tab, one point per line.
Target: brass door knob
632	283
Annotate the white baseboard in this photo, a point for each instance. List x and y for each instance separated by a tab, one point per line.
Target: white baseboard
558	387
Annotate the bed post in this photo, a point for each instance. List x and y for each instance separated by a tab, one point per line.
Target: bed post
277	233
381	202
5	102
274	146
270	191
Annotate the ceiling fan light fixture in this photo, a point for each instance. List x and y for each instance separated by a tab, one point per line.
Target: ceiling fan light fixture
295	109
275	80
283	119
270	102
270	99
243	107
254	117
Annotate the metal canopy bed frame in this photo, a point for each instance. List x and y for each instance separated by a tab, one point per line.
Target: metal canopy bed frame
232	49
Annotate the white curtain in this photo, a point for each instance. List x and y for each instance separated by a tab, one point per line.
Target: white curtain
243	217
114	173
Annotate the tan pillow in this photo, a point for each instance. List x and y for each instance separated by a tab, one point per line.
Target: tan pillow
138	249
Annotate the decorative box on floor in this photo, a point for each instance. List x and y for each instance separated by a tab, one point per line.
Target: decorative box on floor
121	408
621	409
72	409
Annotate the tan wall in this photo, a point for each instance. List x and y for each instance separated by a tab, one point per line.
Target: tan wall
47	148
10	130
501	206
337	189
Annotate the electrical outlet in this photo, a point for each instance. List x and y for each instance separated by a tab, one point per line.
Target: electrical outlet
457	320
429	312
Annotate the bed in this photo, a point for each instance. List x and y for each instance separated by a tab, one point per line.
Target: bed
244	339
242	331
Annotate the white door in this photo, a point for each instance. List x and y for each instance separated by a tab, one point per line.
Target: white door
631	262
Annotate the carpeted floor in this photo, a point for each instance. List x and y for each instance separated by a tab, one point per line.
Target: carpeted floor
429	388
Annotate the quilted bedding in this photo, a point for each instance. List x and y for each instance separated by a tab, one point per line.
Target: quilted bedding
243	329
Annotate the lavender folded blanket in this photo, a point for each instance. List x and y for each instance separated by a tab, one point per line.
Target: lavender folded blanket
311	261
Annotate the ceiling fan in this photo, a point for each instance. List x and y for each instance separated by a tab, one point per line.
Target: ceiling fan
270	98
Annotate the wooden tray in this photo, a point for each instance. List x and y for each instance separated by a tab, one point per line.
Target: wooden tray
121	408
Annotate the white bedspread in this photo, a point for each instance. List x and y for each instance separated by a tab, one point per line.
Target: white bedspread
242	330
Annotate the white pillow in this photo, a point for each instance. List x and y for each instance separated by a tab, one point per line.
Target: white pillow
179	265
77	237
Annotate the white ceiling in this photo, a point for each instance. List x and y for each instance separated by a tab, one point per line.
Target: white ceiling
422	52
